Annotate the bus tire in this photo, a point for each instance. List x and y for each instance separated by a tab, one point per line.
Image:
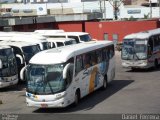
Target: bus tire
105	83
156	64
76	97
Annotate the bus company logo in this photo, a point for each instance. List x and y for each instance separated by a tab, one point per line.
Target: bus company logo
40	8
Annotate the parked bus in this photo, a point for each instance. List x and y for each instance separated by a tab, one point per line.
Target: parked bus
49	32
25	37
141	50
58	42
8	67
78	36
23	51
62	76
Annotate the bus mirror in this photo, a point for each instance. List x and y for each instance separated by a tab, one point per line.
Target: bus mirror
19	59
1	64
22	73
65	70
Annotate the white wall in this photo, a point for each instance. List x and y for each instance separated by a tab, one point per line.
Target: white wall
80	7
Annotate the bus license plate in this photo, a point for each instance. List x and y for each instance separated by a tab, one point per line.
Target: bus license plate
44	105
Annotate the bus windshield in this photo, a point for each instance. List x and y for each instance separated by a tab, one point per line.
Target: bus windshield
45	45
45	79
29	51
9	63
134	49
70	42
85	38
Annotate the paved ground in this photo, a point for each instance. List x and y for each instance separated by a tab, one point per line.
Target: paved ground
130	92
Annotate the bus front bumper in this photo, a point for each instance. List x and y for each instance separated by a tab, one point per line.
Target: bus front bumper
60	103
135	64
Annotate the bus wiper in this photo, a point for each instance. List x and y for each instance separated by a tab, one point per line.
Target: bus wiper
45	84
136	54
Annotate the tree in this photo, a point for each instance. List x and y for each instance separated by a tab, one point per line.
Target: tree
116	4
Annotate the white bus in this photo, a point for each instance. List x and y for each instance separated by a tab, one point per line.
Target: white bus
61	76
78	36
141	50
58	42
23	51
25	37
48	32
8	67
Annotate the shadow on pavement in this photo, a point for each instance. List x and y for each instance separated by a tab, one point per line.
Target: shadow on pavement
91	100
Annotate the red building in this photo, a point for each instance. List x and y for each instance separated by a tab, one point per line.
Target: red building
112	30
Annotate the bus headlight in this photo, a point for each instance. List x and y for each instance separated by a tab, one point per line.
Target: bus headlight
61	95
144	63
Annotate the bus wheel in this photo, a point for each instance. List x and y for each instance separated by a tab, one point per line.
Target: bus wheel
156	64
105	83
76	98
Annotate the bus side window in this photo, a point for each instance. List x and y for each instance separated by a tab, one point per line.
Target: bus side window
53	45
99	55
104	55
156	41
94	58
70	71
86	60
79	64
59	44
150	46
111	51
75	37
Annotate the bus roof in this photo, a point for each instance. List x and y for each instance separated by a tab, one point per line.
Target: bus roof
59	39
22	36
143	35
48	32
68	33
62	54
4	46
16	43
